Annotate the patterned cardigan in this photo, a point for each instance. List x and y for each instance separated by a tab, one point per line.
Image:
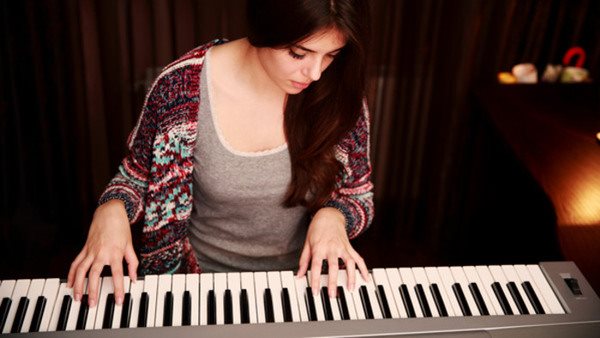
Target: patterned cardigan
155	179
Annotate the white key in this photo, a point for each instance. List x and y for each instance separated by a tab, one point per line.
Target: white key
372	296
6	290
247	279
487	280
460	278
35	290
301	285
473	277
51	287
335	310
62	291
260	284
274	281
107	287
525	276
343	282
511	276
409	280
499	277
317	299
164	286
421	278
393	276
206	284
118	313
448	280
234	285
545	289
177	288
434	278
135	289
20	290
220	285
74	311
150	287
358	307
90	323
287	281
380	277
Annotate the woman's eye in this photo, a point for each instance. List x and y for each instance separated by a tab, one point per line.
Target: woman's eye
295	55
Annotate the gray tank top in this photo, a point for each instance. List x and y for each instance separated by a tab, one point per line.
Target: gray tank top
238	222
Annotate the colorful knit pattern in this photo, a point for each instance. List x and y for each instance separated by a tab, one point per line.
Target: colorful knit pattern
155	179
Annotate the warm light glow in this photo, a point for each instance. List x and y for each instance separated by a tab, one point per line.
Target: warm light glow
586	204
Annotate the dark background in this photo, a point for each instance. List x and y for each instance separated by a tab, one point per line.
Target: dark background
448	189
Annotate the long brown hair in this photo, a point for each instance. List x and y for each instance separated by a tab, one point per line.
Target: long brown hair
320	116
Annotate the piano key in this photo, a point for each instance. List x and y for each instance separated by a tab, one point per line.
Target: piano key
409	280
92	311
428	300
301	284
20	315
326	303
211	311
20	290
512	276
310	305
407	301
109	311
333	304
118	309
51	287
423	302
192	284
106	289
274	281
35	291
244	307
6	290
502	299
56	309
393	277
63	316
484	295
377	314
38	312
220	285
142	320
525	277
126	311
82	315
447	281
164	286
485	276
546	291
186	319
440	296
499	277
462	300
343	303
347	298
287	281
516	295
177	289
247	279
366	302
260	285
317	300
168	309
74	311
228	307
287	307
206	285
234	284
150	288
460	277
268	302
533	298
476	293
135	290
381	279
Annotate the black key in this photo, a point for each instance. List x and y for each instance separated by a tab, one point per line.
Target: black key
245	307
212	308
408	305
422	298
64	313
502	298
20	315
483	310
439	301
533	298
4	308
383	303
228	308
366	302
168	309
341	299
462	300
310	305
38	312
109	311
126	314
83	313
326	304
516	295
187	309
287	305
268	300
143	313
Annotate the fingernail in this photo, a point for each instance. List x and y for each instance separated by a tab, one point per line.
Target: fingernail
77	297
351	287
119	300
92	302
331	294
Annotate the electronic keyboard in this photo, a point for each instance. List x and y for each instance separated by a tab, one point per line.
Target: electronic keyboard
552	299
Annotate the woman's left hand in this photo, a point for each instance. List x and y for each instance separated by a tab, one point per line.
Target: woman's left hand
327	239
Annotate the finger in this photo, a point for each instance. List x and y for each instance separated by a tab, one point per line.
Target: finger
73	268
333	275
78	284
93	282
304	261
351	270
117	275
362	267
132	262
315	274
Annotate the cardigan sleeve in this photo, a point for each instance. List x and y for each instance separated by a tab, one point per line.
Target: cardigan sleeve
353	195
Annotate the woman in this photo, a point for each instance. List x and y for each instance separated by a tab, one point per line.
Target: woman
248	155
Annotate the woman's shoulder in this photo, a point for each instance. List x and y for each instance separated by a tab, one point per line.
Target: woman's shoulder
194	56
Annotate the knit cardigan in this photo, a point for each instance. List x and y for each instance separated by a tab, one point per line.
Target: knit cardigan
155	179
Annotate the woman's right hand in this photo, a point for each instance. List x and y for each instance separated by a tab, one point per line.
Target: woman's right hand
108	242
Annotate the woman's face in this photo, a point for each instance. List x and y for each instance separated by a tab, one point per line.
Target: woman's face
293	69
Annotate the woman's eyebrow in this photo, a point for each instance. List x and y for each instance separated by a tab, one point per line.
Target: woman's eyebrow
312	51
